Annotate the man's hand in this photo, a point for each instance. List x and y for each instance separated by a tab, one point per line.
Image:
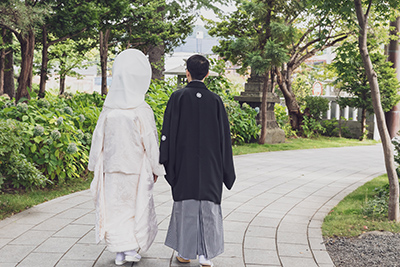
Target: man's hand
155	177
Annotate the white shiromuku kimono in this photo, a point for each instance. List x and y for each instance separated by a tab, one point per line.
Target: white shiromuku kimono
124	156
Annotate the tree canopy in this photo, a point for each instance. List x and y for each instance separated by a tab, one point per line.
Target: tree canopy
291	31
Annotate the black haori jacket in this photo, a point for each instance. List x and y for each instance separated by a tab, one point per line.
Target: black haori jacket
196	144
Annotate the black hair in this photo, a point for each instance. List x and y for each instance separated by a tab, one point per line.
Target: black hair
198	66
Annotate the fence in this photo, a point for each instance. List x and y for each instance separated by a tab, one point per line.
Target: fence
352	119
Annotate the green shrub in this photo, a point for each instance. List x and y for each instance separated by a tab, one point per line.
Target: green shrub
378	205
331	127
311	127
157	97
317	106
242	119
58	133
283	120
244	128
15	170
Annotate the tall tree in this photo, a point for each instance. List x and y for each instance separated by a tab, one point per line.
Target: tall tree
2	59
381	8
353	80
68	19
301	30
142	24
9	83
67	56
112	17
357	14
179	12
168	25
23	18
253	38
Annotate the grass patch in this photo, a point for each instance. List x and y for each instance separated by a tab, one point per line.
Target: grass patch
300	143
17	201
347	218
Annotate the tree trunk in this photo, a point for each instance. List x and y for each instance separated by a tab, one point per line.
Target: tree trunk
62	75
45	61
25	77
393	205
393	116
156	54
156	59
363	123
62	84
103	59
263	134
2	63
283	80
9	84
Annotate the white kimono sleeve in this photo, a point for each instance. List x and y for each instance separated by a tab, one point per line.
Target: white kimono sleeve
97	145
150	143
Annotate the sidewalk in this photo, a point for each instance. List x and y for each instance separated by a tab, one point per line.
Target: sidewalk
272	216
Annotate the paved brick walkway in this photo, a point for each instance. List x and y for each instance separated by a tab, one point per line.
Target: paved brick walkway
272	216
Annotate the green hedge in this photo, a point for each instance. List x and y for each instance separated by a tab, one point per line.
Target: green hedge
47	141
55	135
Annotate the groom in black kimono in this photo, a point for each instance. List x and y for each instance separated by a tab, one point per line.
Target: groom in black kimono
197	154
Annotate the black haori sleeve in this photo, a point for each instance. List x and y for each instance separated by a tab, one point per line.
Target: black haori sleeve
168	135
226	146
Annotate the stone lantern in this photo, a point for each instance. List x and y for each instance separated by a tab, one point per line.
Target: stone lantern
252	95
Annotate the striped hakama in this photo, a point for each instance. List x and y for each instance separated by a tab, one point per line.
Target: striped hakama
196	229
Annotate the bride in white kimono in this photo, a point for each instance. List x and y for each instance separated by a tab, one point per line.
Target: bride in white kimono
124	156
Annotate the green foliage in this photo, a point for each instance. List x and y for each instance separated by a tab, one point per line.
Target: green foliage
58	133
331	127
58	130
353	80
15	169
317	106
248	37
311	127
301	88
282	118
281	115
65	57
157	97
377	206
348	218
306	77
218	84
22	15
244	128
242	119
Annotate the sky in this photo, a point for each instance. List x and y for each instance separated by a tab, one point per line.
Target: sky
209	14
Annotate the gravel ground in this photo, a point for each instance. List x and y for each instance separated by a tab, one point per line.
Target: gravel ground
377	249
